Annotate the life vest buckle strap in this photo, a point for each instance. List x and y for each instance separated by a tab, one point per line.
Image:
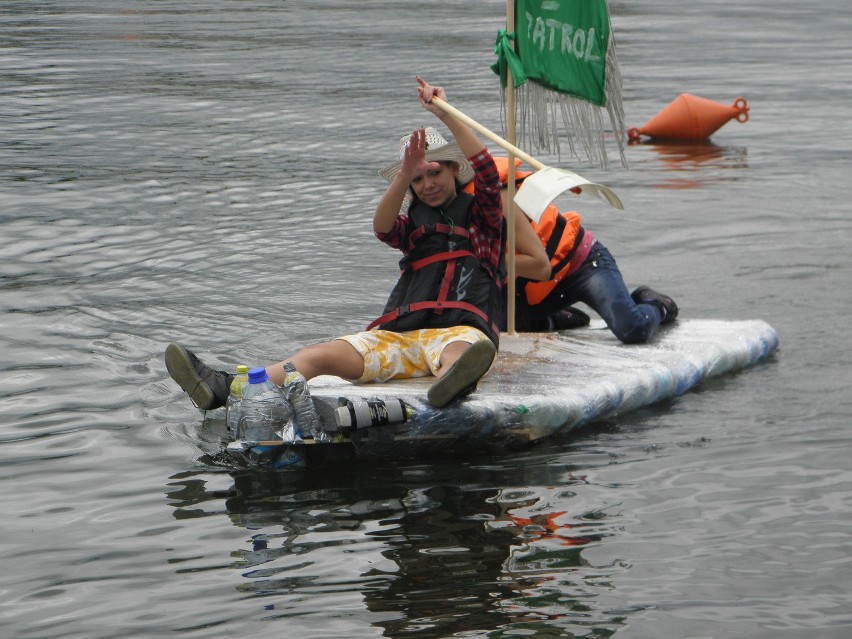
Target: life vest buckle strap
565	261
443	229
436	307
445	256
555	236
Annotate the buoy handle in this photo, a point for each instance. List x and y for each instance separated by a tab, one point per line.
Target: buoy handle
741	106
633	134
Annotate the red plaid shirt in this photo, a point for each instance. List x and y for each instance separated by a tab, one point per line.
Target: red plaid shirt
486	219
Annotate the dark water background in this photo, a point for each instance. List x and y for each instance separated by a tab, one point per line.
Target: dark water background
204	171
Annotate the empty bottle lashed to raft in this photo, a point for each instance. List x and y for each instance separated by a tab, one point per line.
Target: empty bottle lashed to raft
233	407
264	409
372	412
307	420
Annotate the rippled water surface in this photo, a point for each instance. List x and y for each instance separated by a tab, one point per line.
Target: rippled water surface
205	171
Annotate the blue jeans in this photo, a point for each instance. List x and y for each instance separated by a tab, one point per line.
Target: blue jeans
597	283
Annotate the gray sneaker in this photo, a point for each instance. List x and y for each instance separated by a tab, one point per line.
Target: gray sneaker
208	389
647	295
462	377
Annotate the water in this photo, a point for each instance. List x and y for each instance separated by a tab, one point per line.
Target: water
205	172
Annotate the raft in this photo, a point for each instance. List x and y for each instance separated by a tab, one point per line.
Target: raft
540	384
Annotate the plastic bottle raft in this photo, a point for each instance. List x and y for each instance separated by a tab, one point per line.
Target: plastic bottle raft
540	384
689	117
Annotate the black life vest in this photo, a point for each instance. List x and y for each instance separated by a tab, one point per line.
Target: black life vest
443	283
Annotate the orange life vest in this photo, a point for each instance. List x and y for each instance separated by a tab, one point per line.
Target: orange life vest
559	234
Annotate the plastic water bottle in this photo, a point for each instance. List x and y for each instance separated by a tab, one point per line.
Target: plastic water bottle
306	416
265	408
232	408
371	412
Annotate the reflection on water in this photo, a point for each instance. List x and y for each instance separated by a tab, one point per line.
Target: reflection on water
206	172
692	164
444	557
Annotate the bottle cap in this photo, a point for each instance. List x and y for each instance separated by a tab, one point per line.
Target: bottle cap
242	369
257	375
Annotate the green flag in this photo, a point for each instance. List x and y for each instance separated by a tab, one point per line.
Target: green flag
563	44
564	70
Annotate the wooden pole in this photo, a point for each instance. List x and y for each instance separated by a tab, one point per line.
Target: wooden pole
510	193
476	126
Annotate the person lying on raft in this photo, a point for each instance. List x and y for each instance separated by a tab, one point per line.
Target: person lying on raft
443	316
580	269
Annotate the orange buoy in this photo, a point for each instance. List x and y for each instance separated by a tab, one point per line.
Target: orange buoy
689	117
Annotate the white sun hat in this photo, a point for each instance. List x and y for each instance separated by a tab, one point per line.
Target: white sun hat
437	150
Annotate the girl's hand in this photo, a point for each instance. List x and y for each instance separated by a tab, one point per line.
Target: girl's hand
414	157
426	92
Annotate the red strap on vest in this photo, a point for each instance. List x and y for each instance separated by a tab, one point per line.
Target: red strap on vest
421	306
439	257
441	303
420	231
450	255
445	284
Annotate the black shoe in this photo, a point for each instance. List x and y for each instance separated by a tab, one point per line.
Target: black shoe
462	377
567	318
208	389
646	295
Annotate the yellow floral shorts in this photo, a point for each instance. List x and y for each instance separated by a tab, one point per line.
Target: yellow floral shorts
390	355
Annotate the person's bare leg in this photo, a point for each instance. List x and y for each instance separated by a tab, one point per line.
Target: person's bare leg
450	356
336	357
